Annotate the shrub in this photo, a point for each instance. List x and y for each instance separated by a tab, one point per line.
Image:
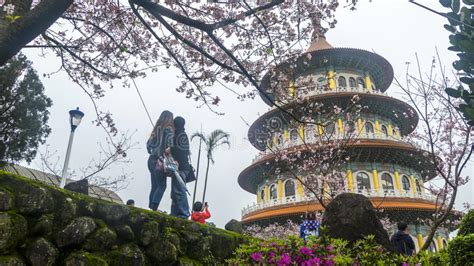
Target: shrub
461	250
467	224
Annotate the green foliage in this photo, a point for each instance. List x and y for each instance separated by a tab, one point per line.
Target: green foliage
467	224
461	28
23	111
461	250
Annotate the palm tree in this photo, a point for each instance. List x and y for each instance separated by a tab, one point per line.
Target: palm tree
212	141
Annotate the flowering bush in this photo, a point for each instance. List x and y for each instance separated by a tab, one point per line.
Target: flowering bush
323	252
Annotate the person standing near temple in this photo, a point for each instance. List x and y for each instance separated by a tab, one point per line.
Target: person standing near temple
158	145
180	152
402	240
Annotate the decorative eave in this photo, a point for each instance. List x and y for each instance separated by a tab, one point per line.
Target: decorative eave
387	106
386	203
371	151
323	55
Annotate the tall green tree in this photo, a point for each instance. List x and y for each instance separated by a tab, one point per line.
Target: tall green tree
461	27
217	138
23	111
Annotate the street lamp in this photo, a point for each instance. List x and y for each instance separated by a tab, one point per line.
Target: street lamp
75	117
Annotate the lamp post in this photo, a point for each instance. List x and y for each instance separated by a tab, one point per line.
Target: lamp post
75	117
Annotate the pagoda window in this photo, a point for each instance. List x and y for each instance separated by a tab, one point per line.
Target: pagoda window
279	138
406	183
369	128
262	195
350	126
273	192
373	87
321	82
330	129
387	181
363	181
352	83
418	186
360	83
294	135
384	130
342	82
289	188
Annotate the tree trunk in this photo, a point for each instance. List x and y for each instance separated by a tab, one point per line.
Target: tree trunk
15	35
205	181
197	171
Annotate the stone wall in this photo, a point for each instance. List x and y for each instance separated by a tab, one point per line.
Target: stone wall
43	225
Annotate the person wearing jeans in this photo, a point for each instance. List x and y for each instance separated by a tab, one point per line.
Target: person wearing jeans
180	153
158	145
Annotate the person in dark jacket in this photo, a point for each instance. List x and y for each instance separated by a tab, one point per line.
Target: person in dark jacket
180	152
159	143
402	240
309	227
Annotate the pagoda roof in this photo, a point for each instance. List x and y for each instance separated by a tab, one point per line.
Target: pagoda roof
321	54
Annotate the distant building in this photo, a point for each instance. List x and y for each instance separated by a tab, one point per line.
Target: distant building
53	180
384	165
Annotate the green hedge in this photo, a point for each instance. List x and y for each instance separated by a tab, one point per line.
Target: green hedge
461	250
467	224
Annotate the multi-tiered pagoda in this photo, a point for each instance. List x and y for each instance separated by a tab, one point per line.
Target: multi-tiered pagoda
384	166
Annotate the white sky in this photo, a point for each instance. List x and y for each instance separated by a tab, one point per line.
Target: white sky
392	28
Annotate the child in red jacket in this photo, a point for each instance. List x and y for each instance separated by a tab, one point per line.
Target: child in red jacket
200	214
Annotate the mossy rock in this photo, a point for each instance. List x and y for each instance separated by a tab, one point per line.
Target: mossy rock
13	229
34	200
149	233
112	213
128	254
6	200
82	258
41	252
199	249
124	233
76	232
11	261
162	252
185	261
42	226
87	207
102	239
66	210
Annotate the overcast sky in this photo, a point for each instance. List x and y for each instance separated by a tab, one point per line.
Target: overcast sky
394	29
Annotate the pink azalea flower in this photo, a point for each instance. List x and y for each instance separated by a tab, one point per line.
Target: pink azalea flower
306	251
284	260
256	256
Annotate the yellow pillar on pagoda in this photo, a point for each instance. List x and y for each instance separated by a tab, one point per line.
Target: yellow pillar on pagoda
258	197
267	193
359	125
292	88
368	82
377	127
397	132
349	179
274	139
299	188
397	180
339	124
320	129
413	184
280	189
419	237
286	135
439	240
332	82
390	130
376	180
302	132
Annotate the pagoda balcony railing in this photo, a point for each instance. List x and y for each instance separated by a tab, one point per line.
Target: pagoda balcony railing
317	140
319	90
292	200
